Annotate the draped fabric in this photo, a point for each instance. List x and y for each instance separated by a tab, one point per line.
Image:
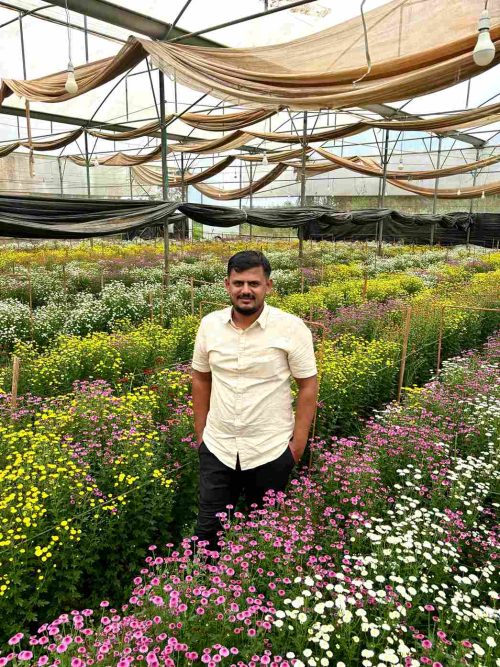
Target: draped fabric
149	176
51	88
470	192
229	142
324	135
45	217
47	145
230	121
219	123
274	157
370	168
415	48
134	133
8	148
218	193
118	159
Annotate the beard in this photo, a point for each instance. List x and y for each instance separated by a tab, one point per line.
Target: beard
250	309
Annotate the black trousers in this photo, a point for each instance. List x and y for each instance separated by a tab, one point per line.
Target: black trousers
221	486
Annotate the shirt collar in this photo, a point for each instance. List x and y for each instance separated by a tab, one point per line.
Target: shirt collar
261	320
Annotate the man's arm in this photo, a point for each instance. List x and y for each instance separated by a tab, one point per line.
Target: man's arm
304	413
202	387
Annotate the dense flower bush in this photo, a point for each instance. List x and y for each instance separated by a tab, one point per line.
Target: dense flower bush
121	358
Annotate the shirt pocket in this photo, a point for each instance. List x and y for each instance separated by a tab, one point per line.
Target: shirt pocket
264	365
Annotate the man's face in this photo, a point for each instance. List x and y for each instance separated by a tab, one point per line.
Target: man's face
248	289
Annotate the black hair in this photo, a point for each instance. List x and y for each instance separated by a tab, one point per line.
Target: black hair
248	259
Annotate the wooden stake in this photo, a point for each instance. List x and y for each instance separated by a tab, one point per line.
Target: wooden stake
161	309
365	287
403	353
191	281
440	340
15	381
65	284
102	279
151	314
320	373
30	291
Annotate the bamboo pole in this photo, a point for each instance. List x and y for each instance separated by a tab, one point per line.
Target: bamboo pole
440	340
15	381
365	287
151	312
164	179
191	281
320	373
303	182
403	353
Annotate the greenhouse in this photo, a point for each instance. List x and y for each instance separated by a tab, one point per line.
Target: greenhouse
249	333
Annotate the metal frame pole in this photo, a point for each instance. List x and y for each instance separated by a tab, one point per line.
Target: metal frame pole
251	196
61	185
86	37
382	194
164	180
474	178
303	182
436	185
87	166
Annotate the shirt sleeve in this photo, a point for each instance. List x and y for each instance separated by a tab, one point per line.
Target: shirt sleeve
301	358
200	355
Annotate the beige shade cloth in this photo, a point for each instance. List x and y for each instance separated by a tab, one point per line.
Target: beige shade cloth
443	123
118	159
487	114
50	145
472	192
151	176
370	168
231	141
226	122
416	47
134	133
274	157
8	148
251	188
324	135
51	88
314	169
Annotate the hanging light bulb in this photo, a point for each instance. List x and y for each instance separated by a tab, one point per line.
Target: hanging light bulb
401	164
459	192
96	162
171	75
265	161
484	51
71	85
483	196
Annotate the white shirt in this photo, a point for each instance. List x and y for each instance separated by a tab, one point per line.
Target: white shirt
250	413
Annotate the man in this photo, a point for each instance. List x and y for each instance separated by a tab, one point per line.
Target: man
243	358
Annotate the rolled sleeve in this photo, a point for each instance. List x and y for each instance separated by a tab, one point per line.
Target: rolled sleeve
200	355
301	358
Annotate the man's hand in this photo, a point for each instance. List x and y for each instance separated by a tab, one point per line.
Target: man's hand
296	450
304	413
202	387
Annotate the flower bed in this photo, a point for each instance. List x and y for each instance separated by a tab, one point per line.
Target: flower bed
383	553
93	292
